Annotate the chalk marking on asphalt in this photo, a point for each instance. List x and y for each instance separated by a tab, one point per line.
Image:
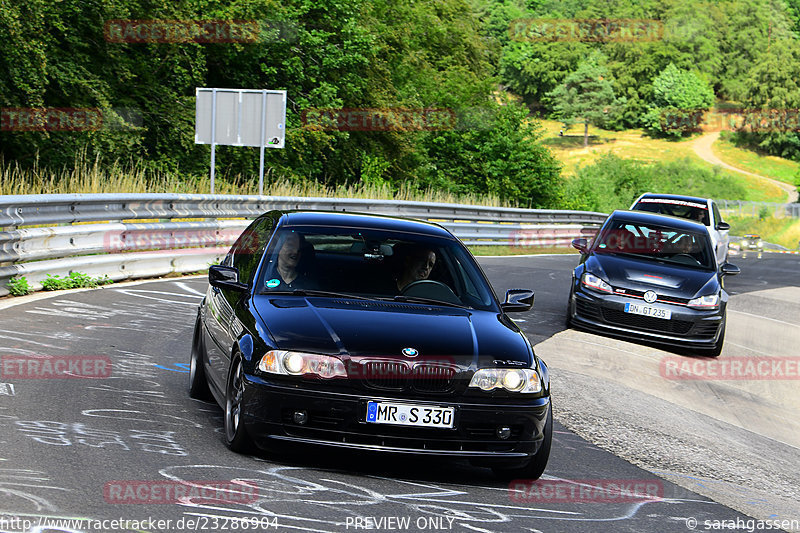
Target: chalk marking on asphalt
168	293
131	292
28	341
473	528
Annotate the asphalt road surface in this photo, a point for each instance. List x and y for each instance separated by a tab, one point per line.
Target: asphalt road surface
81	450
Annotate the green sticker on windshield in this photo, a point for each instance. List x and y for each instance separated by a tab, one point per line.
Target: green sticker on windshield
272	283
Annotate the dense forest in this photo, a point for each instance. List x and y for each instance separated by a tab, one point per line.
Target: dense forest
459	55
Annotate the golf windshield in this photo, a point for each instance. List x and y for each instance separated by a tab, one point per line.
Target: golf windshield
654	242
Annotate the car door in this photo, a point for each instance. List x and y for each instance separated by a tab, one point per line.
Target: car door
723	237
223	324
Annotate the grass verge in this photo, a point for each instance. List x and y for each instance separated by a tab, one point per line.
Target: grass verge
783	231
634	144
784	170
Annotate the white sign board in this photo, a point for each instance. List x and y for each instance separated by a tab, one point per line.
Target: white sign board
240	114
240	117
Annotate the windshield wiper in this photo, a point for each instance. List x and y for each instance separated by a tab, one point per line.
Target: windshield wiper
313	292
420	300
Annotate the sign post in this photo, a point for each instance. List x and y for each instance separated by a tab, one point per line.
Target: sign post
240	117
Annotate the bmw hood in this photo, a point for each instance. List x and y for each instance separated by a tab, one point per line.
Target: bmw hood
646	274
364	328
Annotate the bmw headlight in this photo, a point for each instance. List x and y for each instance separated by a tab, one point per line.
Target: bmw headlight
299	363
525	380
705	302
593	282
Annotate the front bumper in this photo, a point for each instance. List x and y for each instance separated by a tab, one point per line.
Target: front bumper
686	326
338	419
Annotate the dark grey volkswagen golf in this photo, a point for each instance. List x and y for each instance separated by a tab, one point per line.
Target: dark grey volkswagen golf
369	333
651	277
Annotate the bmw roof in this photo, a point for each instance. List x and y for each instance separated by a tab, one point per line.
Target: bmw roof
361	220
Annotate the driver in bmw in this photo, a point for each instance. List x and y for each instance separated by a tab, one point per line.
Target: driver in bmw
417	265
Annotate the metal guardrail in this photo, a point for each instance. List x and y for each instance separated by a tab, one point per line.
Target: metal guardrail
98	234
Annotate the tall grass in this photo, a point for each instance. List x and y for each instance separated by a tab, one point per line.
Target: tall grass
95	176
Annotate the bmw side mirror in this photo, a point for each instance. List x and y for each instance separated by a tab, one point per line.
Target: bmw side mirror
728	269
723	226
580	244
225	277
517	300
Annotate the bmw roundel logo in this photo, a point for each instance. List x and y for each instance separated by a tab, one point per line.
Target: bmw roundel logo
650	297
410	352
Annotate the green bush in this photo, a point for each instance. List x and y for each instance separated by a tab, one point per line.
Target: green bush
19	287
75	280
614	183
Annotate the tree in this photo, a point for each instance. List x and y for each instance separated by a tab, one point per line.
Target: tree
586	94
496	151
772	97
679	99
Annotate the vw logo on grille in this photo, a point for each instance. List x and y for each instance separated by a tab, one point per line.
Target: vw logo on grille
410	352
650	297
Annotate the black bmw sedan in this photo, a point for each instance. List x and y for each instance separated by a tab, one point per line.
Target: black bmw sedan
651	277
369	333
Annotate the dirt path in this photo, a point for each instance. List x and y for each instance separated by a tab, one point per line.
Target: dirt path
702	147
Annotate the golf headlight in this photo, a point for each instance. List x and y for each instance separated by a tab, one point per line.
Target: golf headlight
299	363
593	282
511	379
705	302
760	243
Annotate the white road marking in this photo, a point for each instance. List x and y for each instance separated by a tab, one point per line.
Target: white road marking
764	317
185	287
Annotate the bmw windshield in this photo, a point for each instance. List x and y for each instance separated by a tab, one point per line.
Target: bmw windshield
315	261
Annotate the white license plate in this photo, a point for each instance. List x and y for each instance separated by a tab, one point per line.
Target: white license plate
403	414
646	310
